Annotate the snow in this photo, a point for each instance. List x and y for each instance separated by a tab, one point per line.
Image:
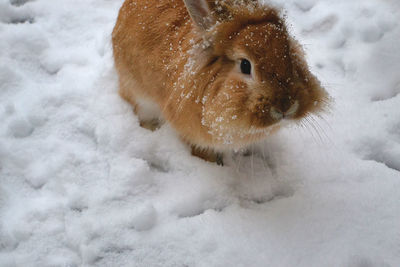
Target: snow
81	184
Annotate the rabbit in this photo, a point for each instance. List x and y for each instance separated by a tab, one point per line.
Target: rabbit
223	74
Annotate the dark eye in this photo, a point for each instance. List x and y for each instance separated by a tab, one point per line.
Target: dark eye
245	66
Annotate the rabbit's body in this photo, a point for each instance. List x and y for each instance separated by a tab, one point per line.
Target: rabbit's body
192	67
151	40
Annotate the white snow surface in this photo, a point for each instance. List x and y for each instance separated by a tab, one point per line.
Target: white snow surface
81	184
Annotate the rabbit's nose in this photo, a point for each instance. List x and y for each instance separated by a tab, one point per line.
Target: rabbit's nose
285	104
277	114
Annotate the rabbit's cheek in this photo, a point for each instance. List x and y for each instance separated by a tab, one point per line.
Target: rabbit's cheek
309	102
311	96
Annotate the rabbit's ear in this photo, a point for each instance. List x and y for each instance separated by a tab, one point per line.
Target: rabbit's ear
200	13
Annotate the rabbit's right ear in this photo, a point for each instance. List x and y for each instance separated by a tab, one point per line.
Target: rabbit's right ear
200	13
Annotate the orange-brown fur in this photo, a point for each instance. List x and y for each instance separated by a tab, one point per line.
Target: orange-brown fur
192	74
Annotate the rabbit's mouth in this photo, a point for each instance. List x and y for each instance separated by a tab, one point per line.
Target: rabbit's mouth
278	115
266	111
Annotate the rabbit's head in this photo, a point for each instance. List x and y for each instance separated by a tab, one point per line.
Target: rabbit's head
249	73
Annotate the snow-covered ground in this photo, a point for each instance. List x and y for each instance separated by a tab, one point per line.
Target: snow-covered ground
81	184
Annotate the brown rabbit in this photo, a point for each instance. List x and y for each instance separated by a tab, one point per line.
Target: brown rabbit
222	73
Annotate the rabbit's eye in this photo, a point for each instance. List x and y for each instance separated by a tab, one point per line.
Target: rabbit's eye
245	66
